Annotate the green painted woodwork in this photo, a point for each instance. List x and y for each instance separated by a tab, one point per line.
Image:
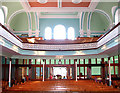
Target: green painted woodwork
33	61
116	70
107	6
111	60
67	61
81	61
112	70
20	22
93	61
86	61
12	7
72	61
98	22
3	60
98	61
116	59
77	70
20	61
96	70
82	70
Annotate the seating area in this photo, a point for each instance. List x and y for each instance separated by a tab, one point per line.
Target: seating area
64	85
53	41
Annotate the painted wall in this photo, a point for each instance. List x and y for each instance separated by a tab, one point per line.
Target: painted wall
98	22
52	22
107	6
12	7
20	22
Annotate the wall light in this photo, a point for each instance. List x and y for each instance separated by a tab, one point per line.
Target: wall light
76	1
104	47
31	40
42	1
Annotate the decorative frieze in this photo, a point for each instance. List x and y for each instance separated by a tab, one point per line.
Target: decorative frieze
59	47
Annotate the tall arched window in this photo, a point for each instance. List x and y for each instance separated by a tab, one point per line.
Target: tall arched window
48	33
117	20
1	17
59	32
71	33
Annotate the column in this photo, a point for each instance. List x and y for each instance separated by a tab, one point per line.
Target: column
84	68
89	69
1	74
109	72
43	70
118	65
10	73
103	70
76	68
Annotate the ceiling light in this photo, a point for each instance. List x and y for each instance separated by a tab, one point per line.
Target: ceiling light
42	1
104	47
76	1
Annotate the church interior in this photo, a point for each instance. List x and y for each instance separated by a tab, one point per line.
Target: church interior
60	46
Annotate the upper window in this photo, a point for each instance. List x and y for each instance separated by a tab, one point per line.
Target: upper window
1	17
48	33
71	34
59	32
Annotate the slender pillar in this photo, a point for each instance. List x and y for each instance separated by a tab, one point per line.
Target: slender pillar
76	69
10	74
118	65
109	72
43	70
103	70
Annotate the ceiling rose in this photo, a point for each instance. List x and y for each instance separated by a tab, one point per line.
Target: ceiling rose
42	1
76	1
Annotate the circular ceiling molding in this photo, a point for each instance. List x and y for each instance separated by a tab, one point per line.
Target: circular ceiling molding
76	1
42	1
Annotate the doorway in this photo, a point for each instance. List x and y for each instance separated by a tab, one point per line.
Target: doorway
60	72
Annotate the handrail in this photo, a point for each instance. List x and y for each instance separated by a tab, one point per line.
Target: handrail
10	32
109	31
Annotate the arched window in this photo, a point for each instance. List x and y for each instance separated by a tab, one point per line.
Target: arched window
71	33
117	20
48	33
59	32
2	17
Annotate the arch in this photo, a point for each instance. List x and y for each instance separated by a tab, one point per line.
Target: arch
105	14
36	20
5	10
19	22
71	33
59	32
88	23
2	17
82	20
48	33
18	12
89	19
14	14
115	10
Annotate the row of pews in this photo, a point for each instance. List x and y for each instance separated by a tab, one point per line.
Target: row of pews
65	85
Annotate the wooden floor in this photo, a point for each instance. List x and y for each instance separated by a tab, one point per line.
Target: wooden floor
65	86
